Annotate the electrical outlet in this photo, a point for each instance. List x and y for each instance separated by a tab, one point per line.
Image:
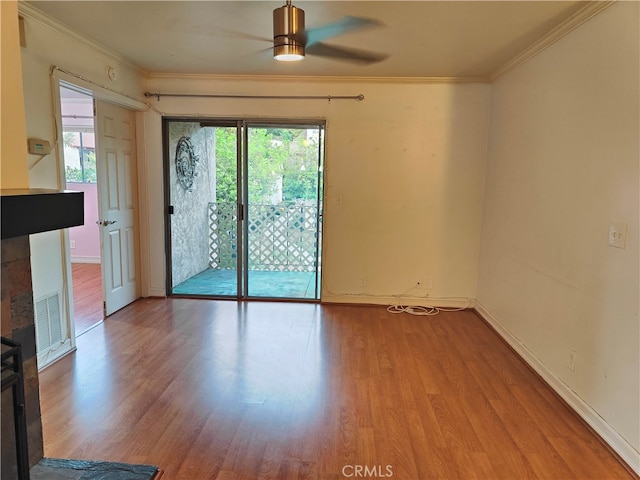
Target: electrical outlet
72	243
617	234
363	281
571	362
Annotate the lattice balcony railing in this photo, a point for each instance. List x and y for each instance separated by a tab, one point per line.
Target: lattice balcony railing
223	236
281	237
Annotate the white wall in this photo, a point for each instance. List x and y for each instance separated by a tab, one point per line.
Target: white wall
13	149
563	162
47	47
407	164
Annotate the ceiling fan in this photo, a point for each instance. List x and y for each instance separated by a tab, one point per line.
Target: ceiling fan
291	40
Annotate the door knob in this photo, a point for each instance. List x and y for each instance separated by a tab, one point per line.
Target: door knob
104	223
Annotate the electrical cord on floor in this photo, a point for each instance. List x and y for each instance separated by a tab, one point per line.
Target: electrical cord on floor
422	310
419	310
52	352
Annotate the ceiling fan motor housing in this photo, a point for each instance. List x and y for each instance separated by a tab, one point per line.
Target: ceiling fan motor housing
288	31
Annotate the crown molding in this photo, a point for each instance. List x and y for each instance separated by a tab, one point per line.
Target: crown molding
313	79
591	9
30	12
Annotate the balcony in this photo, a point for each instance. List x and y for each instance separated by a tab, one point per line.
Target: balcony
282	243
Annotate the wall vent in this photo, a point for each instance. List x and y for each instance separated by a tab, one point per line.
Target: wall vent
49	331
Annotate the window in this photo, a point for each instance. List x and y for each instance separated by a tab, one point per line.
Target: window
79	156
78	136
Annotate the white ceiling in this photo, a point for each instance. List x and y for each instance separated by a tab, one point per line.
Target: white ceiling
422	38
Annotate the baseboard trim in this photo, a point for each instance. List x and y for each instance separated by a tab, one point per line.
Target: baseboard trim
75	259
44	362
404	300
628	455
156	292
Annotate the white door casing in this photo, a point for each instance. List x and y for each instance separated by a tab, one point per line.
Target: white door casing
117	191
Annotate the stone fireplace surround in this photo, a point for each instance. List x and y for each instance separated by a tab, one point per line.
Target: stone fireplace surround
24	212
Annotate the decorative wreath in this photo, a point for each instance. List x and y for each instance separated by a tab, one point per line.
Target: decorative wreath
186	161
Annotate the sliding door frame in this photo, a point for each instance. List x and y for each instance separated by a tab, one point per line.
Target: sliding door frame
242	177
240	207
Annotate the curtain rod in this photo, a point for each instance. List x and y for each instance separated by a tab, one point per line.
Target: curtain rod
271	97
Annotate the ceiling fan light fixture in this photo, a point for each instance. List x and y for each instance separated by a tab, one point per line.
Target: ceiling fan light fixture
288	30
288	53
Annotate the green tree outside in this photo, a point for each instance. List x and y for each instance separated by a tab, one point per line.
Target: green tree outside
88	159
275	155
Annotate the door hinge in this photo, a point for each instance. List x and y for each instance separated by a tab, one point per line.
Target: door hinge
241	212
170	209
104	309
95	108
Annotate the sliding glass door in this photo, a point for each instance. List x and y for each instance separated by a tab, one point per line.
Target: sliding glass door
284	203
201	174
244	208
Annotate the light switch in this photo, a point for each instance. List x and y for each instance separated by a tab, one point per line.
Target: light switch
617	234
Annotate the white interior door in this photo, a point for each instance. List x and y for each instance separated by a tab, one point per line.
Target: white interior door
117	179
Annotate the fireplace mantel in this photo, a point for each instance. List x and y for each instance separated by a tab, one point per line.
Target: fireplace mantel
27	211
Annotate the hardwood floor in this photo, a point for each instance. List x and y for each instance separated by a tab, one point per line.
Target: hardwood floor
221	390
87	295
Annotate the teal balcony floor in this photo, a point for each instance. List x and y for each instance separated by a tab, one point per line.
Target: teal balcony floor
262	284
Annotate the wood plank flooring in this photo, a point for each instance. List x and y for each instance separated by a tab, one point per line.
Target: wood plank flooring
87	295
224	390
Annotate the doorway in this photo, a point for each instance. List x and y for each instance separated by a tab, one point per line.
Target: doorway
80	168
99	160
244	208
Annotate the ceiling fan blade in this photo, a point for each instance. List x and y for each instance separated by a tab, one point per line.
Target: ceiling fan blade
345	54
244	36
347	24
